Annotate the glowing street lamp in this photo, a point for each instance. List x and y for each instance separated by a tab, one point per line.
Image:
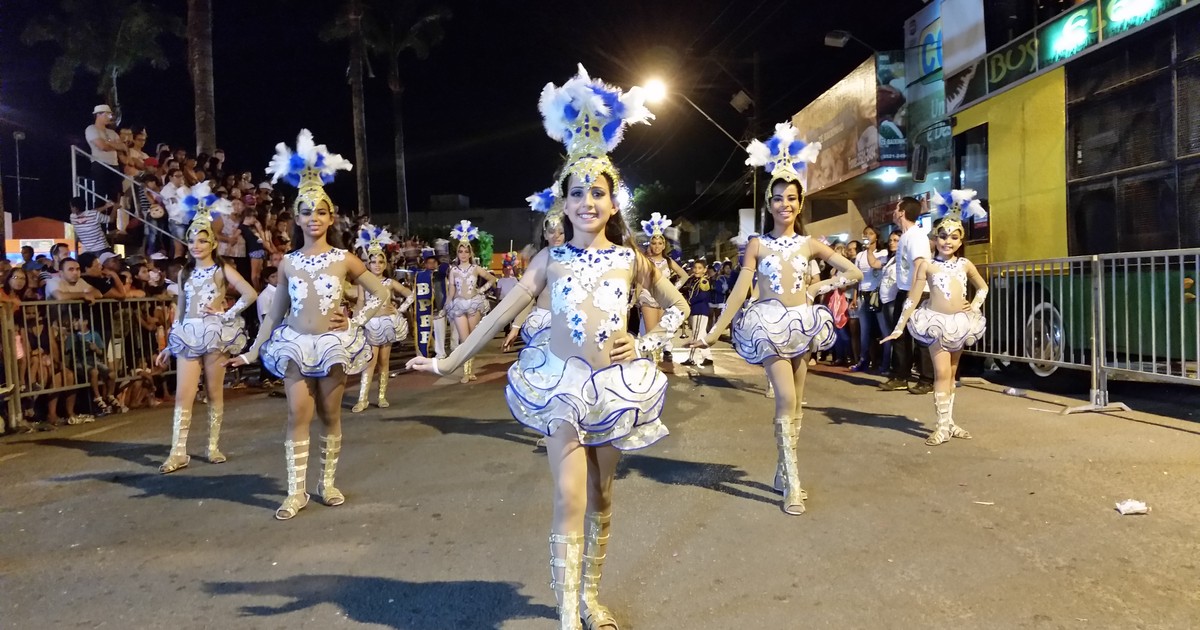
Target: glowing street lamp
656	92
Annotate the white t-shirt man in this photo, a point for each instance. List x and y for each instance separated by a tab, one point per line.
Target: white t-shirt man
94	133
871	277
914	245
506	284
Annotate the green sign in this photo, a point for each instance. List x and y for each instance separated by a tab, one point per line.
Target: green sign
1015	61
1122	15
1070	34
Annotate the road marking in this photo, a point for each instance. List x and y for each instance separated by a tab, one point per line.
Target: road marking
103	429
12	456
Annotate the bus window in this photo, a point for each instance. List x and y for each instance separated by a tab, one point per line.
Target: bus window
971	171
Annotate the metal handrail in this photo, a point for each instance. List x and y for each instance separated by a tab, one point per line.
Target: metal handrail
77	188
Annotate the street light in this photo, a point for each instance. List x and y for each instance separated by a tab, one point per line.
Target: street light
18	136
656	92
839	39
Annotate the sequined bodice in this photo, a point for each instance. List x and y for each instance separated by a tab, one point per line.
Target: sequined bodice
950	277
202	289
589	296
309	277
465	281
780	263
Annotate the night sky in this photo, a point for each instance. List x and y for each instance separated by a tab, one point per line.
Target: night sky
471	108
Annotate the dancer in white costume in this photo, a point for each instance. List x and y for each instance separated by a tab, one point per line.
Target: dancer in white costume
947	322
582	387
782	327
657	229
204	333
390	324
465	300
537	318
306	339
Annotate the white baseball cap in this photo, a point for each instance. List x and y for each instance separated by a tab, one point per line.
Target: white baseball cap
265	186
101	109
106	256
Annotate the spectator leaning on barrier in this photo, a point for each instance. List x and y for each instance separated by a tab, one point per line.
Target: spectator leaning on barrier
90	226
105	281
106	147
70	285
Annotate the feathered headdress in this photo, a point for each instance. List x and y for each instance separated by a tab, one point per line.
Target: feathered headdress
951	207
309	168
373	239
589	117
656	226
200	204
784	156
550	203
464	232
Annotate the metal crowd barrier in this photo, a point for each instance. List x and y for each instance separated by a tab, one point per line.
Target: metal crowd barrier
1132	315
47	353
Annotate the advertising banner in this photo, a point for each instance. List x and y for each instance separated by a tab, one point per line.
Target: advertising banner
966	86
1069	34
923	43
890	107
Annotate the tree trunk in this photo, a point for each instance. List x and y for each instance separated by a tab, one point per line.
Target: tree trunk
357	55
398	123
200	67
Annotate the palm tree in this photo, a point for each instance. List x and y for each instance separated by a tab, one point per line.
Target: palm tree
200	67
348	26
104	38
394	28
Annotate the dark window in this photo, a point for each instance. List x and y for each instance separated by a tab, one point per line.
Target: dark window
971	171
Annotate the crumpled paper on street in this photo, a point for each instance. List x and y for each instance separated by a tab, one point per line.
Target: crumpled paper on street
1132	506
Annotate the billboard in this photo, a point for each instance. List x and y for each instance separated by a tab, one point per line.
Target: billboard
859	121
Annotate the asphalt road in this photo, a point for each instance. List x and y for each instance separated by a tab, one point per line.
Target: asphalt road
448	509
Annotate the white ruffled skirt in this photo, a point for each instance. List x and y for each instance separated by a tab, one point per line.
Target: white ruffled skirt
385	330
538	320
618	405
767	328
952	331
195	337
467	306
645	298
316	354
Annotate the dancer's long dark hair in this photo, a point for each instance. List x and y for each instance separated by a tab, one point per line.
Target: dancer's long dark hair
769	221
615	230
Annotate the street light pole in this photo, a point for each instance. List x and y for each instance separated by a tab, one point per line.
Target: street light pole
18	136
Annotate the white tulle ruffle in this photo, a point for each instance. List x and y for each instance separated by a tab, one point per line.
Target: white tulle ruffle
316	354
619	404
538	320
767	329
468	306
384	330
193	338
952	331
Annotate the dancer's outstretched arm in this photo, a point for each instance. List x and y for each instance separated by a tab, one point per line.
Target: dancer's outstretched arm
914	298
279	308
529	286
737	296
850	273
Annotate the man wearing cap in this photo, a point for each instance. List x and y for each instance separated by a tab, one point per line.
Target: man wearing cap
105	281
106	146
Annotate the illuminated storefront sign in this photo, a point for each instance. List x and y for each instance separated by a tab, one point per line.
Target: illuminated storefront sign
1121	15
1015	61
1069	35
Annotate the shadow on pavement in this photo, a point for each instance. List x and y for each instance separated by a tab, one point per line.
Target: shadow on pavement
722	382
147	455
506	429
465	605
258	491
908	426
724	478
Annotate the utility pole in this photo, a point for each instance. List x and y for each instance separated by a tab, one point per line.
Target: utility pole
762	213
